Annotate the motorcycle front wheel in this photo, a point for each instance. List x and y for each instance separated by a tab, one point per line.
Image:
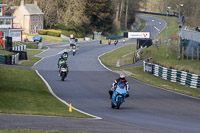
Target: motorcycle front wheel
119	102
112	105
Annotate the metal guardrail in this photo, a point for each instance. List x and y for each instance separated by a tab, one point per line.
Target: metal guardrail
181	77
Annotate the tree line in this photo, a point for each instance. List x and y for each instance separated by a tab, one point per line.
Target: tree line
86	15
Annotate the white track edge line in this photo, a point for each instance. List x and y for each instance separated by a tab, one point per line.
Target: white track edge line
64	102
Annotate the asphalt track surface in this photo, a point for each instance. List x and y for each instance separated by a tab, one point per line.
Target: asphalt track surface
148	109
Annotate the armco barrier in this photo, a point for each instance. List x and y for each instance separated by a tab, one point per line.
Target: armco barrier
181	77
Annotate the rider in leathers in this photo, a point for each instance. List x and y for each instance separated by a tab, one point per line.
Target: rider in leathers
120	79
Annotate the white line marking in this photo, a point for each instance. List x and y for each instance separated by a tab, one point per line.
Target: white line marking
42	52
51	91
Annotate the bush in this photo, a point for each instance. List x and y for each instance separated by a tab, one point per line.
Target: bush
42	32
54	33
68	33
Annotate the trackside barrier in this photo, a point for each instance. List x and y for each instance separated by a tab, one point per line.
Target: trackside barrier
2	59
181	77
9	59
19	48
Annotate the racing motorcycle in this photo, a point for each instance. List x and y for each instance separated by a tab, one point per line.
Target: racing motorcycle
63	72
118	95
74	49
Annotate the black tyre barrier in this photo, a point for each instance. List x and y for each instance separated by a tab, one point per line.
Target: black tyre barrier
8	59
22	55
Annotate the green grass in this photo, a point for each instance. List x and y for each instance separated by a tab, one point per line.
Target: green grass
34	131
4	52
143	24
159	57
30	46
123	55
46	38
31	59
23	92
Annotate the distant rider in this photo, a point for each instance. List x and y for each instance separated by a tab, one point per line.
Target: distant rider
116	41
121	79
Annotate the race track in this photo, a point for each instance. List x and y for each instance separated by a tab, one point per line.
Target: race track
148	109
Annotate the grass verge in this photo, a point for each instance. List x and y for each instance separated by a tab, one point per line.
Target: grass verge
31	58
23	92
4	52
119	57
46	38
143	24
33	131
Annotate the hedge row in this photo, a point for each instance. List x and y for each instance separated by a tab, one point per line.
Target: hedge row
58	32
50	32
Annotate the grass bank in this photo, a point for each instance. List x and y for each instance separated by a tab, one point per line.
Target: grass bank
23	92
119	57
31	58
4	52
46	38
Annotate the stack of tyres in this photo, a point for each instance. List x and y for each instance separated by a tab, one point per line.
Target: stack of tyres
8	59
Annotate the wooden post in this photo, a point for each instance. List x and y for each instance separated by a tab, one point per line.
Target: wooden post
187	53
192	53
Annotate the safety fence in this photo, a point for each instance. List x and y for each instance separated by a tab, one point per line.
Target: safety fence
19	48
181	77
9	59
161	14
190	35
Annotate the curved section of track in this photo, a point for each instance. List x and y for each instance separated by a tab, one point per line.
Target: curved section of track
148	109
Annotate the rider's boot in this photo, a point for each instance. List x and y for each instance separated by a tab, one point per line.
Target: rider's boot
110	92
127	95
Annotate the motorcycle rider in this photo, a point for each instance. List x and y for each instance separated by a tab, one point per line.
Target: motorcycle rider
116	41
121	79
63	65
60	58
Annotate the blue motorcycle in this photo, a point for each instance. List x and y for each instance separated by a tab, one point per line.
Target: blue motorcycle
118	95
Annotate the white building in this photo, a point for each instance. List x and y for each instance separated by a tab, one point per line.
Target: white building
6	26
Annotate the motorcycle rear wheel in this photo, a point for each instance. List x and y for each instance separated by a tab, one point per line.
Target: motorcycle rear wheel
63	77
